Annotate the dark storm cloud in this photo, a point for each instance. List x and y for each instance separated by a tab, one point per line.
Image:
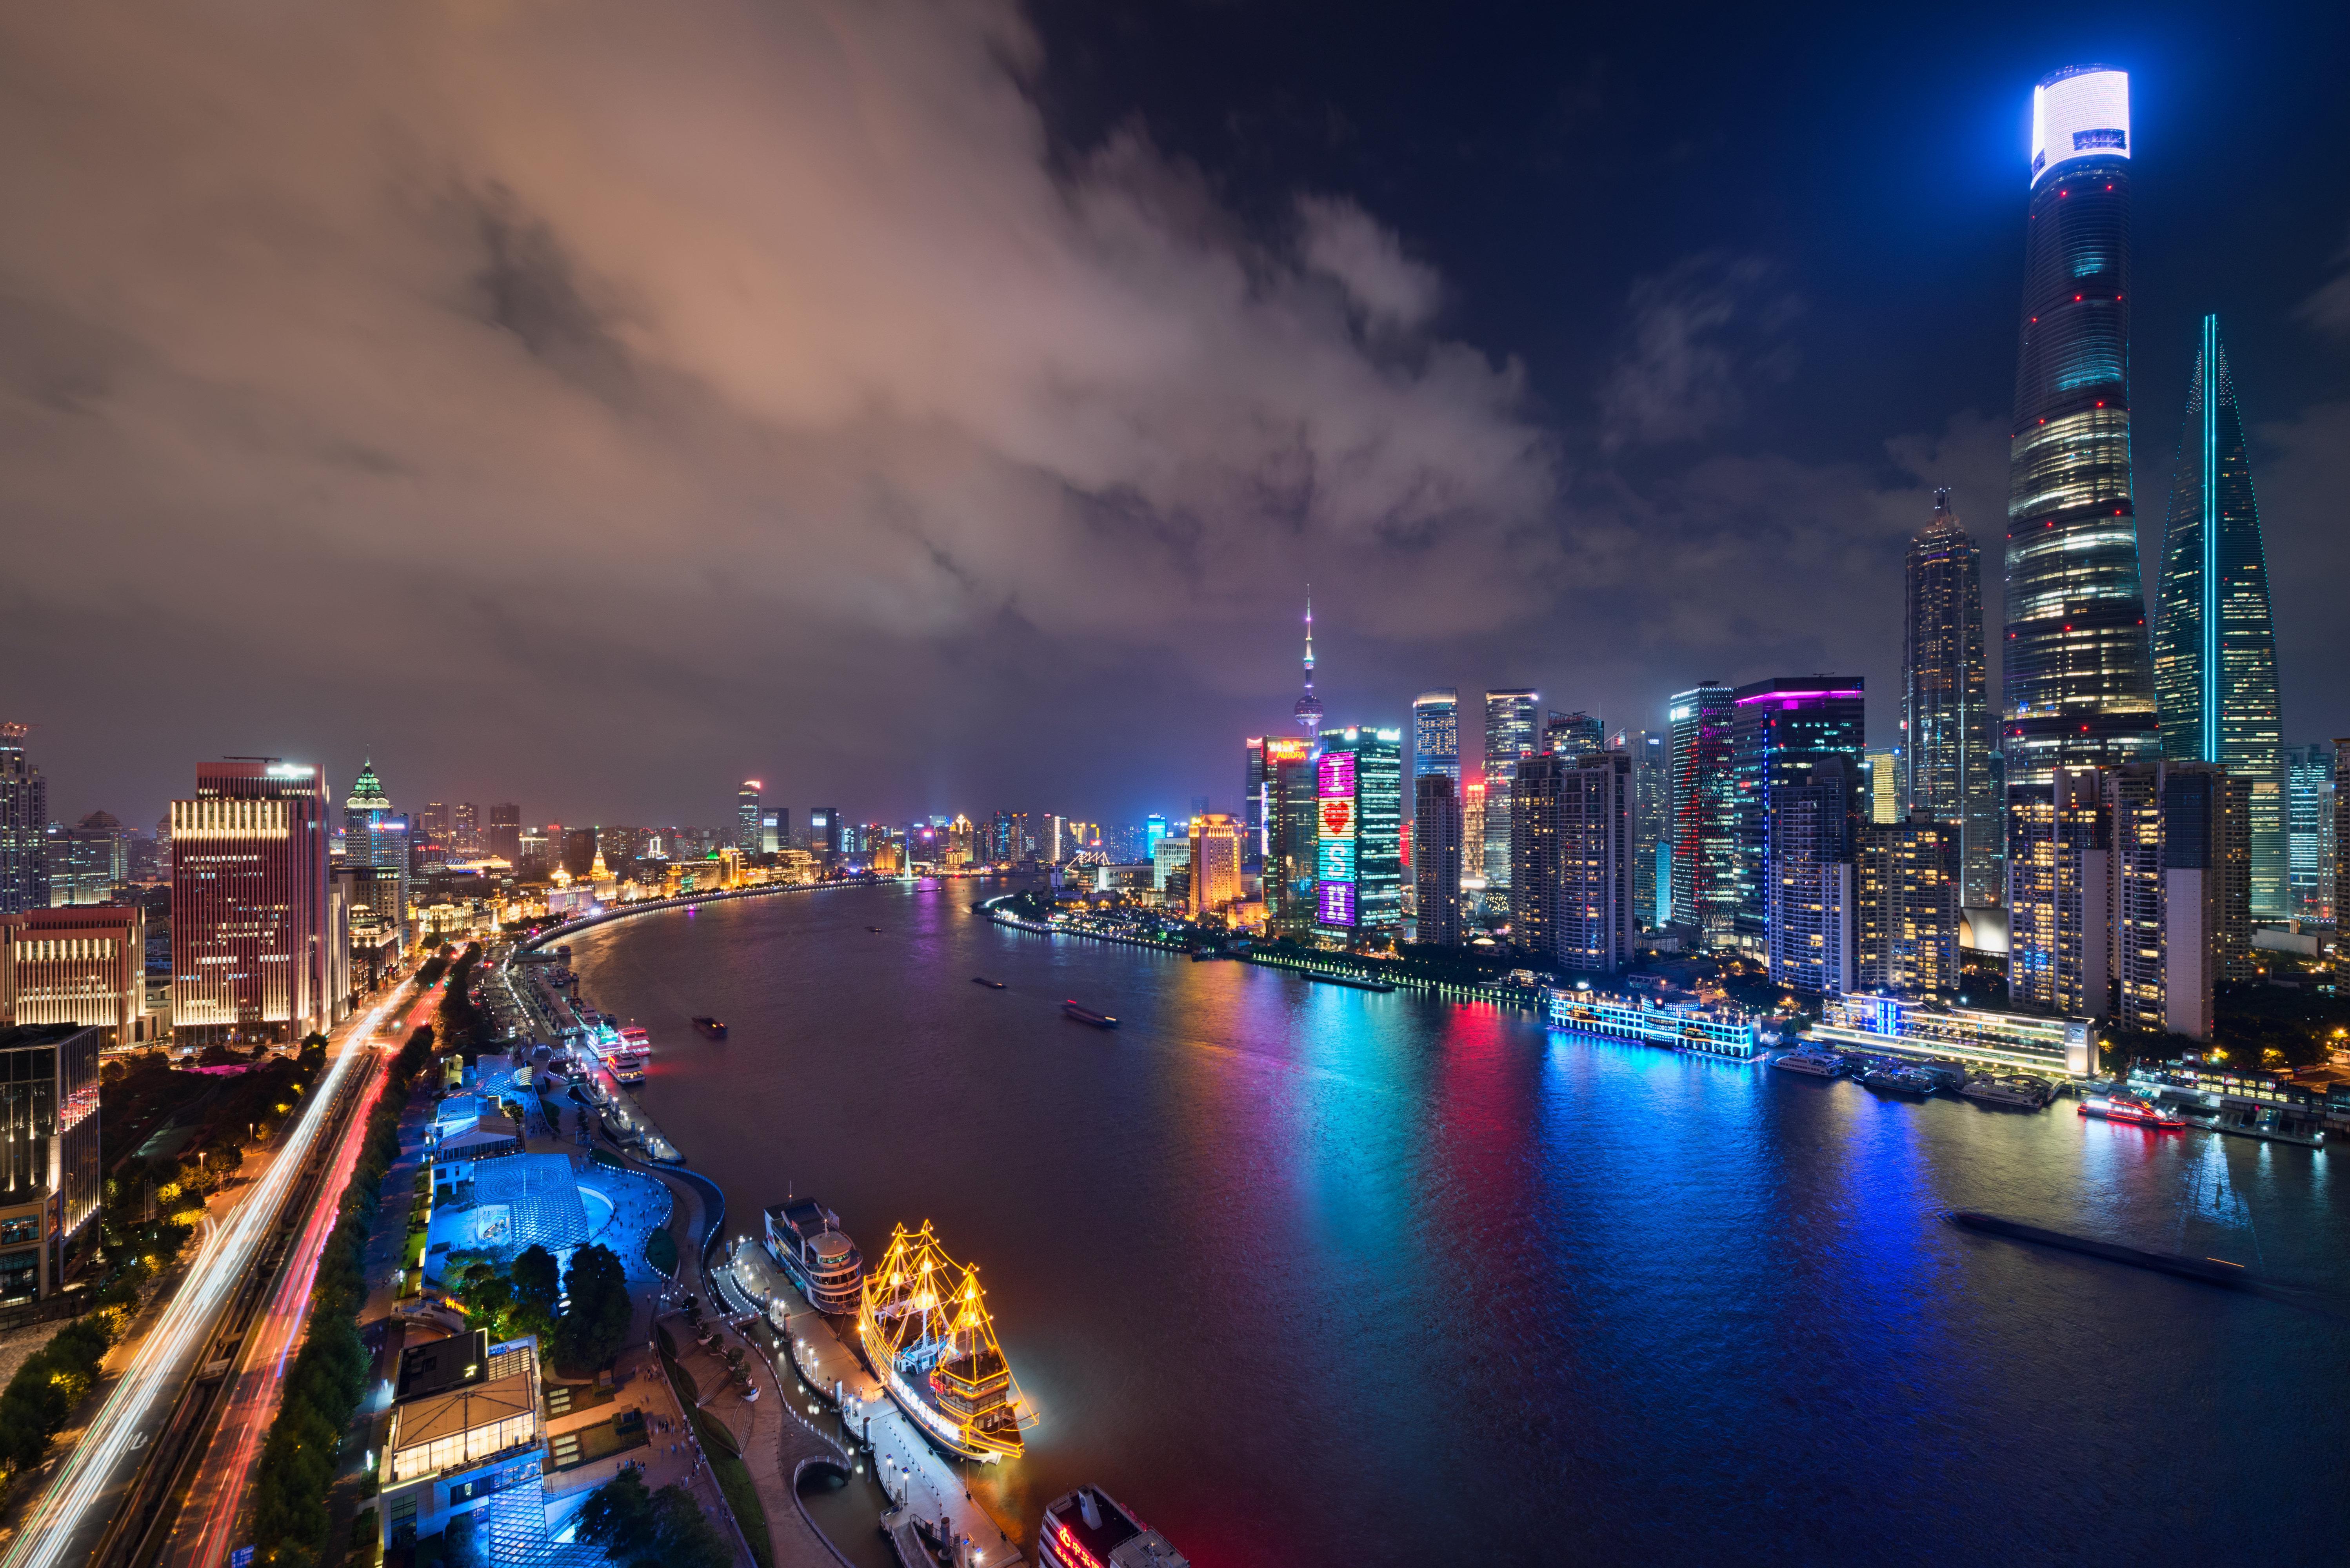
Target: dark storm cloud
591	403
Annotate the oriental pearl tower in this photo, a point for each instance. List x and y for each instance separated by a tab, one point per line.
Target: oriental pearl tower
1309	706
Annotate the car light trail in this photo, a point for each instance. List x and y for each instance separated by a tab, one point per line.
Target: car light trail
88	1470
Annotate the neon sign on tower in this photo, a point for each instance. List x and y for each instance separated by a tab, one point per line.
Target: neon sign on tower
1335	864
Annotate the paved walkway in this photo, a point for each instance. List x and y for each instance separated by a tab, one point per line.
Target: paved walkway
926	1485
776	1441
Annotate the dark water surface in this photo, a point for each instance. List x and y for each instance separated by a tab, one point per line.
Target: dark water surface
1306	1274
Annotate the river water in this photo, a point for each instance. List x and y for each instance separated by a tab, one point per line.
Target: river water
1305	1274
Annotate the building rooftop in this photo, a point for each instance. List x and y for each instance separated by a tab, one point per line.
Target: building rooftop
439	1365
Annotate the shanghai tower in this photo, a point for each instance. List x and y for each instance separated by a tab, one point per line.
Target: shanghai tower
2214	644
1945	708
2079	687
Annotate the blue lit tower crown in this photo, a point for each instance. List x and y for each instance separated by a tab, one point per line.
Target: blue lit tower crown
2079	688
2214	643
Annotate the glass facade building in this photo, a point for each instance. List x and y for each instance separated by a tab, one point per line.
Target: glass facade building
1783	733
2214	642
1946	715
2309	832
1512	732
1436	859
1436	736
1359	871
2079	684
24	825
1702	890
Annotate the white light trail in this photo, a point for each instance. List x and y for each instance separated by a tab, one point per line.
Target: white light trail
220	1265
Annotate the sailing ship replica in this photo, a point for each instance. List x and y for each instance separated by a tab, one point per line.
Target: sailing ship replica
923	1323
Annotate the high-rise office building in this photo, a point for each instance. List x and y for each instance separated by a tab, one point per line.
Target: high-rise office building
582	849
2060	893
1573	735
1436	736
1216	853
1436	859
1252	793
2214	643
2181	891
1880	785
1810	923
1784	731
2309	822
255	954
1473	843
748	816
2340	857
824	834
50	1169
1946	709
83	964
88	860
1359	872
2079	688
1512	730
1534	797
1292	832
1307	714
502	837
1652	808
1703	894
433	822
376	838
1593	922
1907	878
24	827
465	827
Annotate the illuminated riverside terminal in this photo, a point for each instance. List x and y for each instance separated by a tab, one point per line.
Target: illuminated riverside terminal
1892	1025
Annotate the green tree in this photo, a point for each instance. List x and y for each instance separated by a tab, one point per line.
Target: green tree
593	1331
535	1286
619	1517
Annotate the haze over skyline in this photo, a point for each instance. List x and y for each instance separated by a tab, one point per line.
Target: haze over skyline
934	408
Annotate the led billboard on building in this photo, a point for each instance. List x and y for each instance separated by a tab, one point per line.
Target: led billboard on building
1334	863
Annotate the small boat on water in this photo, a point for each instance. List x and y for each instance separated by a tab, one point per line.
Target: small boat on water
711	1026
1352	981
924	1326
1891	1078
1088	1529
806	1241
1811	1060
875	930
2021	1091
990	984
2127	1108
1087	1015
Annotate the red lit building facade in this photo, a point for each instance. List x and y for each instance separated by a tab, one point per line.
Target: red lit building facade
255	952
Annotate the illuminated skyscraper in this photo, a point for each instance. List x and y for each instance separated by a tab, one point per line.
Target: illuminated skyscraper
1573	735
374	837
2214	644
1308	712
1292	832
1215	864
23	822
1785	731
1436	736
254	953
503	836
1652	808
1906	881
2079	686
2060	846
1535	794
1946	710
1512	730
1704	890
747	823
2309	832
1436	859
1359	855
1810	922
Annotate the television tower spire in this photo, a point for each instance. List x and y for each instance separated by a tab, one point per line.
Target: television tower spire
1309	706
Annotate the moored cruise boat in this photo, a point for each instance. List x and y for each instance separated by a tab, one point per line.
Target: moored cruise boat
807	1243
2022	1090
1087	1529
2125	1108
628	1057
1811	1059
924	1328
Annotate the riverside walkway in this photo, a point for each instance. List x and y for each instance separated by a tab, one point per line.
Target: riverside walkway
928	1489
777	1443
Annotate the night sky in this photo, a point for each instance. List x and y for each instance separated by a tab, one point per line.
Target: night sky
932	407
